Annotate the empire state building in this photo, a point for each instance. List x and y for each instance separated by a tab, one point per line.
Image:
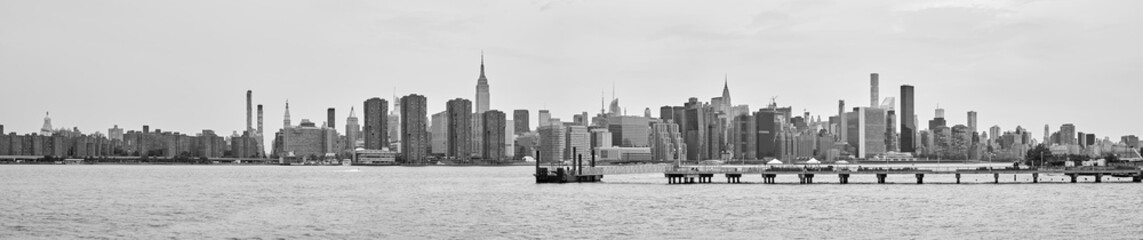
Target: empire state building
481	89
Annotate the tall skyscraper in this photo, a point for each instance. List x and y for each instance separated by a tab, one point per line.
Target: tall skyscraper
459	141
867	131
1067	134
1047	133
520	119
874	90
939	120
414	145
259	137
330	118
552	142
494	124
376	110
972	121
481	89
46	129
908	121
843	132
695	130
352	129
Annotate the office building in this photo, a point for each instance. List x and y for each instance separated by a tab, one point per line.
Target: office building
520	120
1067	134
352	129
439	133
874	90
553	139
972	121
330	118
544	118
482	89
695	130
629	131
908	120
867	133
578	142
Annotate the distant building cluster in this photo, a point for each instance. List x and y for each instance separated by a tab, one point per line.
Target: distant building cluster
469	132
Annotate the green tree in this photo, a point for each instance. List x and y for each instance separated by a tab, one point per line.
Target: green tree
1039	155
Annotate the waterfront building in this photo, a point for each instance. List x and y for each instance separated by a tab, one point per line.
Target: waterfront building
439	138
459	129
494	125
625	154
629	131
768	124
553	139
306	141
867	133
520	120
578	142
414	143
374	132
527	144
908	120
744	137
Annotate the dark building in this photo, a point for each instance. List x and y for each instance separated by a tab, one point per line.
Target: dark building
1090	139
459	142
520	119
415	142
891	139
330	116
768	125
376	124
937	123
694	128
493	138
908	123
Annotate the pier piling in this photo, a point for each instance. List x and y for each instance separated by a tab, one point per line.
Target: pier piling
1035	177
958	178
996	176
1098	177
881	177
920	178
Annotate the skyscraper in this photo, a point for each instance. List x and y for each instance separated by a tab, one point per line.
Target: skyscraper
352	129
843	132
259	138
494	124
544	118
552	142
1067	134
482	89
908	123
459	141
520	119
439	133
695	130
286	116
376	110
414	145
330	118
972	121
939	120
867	133
874	90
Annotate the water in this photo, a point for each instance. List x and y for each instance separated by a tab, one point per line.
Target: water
269	202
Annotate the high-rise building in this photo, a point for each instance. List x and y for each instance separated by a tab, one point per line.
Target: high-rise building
578	142
376	112
352	129
520	120
744	137
908	121
114	133
600	137
414	145
1047	138
843	132
1067	134
938	120
439	129
874	90
994	132
260	138
891	138
494	124
459	129
509	146
544	117
867	133
552	142
629	131
482	89
695	130
972	121
330	118
286	116
1081	139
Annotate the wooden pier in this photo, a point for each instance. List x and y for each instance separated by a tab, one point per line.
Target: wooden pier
806	175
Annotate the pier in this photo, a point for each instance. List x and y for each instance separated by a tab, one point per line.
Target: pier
806	174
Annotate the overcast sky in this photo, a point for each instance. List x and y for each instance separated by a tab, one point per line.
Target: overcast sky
186	65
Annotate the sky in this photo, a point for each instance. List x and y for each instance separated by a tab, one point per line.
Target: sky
186	65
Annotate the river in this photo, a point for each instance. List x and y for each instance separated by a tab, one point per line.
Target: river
271	202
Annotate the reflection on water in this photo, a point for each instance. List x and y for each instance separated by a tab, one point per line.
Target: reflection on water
213	202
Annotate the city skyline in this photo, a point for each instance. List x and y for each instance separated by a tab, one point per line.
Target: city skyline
666	73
